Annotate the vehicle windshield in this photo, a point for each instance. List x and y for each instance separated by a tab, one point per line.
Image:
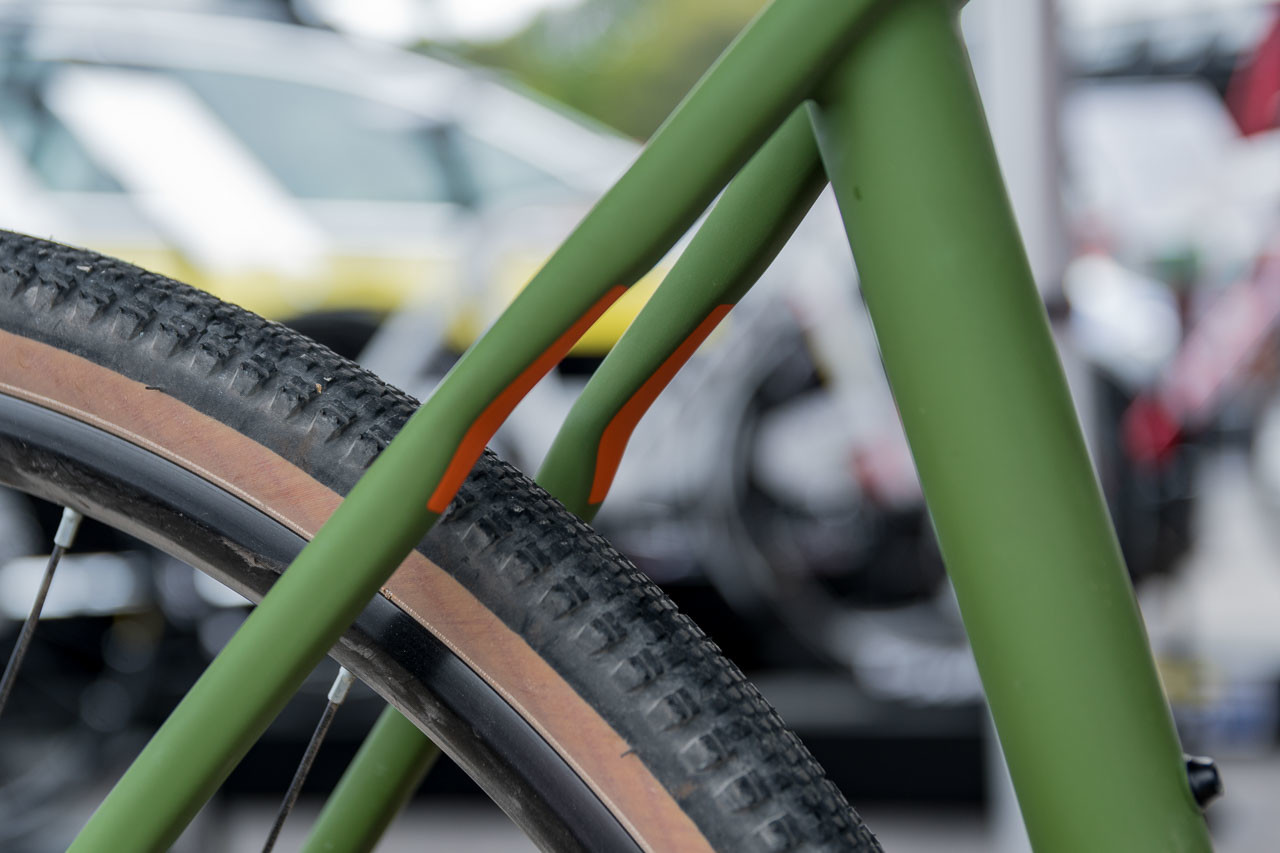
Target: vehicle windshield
319	143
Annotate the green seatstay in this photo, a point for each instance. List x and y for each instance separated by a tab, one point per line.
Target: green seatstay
750	90
739	239
1045	598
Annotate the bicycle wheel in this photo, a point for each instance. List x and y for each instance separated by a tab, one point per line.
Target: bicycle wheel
543	663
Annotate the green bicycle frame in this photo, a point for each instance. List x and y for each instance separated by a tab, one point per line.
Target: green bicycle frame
1044	594
743	233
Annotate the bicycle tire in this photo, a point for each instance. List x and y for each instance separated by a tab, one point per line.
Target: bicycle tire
551	670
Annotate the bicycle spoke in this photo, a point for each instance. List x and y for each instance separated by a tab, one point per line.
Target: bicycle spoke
62	540
337	695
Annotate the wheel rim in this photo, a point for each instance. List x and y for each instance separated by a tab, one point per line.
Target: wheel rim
59	458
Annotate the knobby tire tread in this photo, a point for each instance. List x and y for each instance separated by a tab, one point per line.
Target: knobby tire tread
705	732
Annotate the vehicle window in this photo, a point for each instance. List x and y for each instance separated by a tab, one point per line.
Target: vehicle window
318	142
500	175
325	144
56	157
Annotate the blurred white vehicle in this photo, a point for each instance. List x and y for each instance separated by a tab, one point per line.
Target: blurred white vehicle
298	172
284	168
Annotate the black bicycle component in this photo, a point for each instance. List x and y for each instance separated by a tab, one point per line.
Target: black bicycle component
1204	778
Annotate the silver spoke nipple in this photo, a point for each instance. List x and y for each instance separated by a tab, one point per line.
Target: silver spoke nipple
67	528
341	686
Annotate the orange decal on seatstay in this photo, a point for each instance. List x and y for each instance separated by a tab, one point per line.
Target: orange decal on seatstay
614	439
483	428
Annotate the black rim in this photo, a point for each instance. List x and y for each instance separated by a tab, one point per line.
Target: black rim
62	459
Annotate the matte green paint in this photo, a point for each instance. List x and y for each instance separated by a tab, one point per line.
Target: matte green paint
745	96
1020	518
744	232
264	663
741	236
381	778
1046	601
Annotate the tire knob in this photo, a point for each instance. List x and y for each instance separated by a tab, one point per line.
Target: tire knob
1204	778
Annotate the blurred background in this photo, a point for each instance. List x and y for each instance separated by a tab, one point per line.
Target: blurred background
385	175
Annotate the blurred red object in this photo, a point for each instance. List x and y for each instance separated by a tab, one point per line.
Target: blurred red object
1253	94
1150	431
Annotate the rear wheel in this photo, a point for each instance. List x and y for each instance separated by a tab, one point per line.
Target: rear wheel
558	676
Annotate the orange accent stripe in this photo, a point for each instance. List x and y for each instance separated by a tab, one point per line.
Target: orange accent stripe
616	435
483	428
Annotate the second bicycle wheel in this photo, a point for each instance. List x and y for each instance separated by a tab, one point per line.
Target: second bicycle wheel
554	673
